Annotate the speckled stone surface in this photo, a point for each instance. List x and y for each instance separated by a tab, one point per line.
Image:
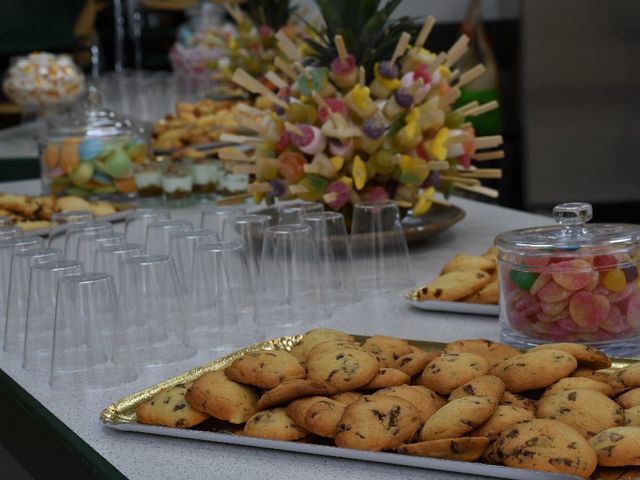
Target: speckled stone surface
140	456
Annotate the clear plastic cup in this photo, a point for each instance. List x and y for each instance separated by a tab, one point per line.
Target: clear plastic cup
158	232
60	221
379	249
109	259
154	310
90	349
182	248
8	232
7	249
5	221
333	251
88	243
249	231
221	304
214	218
293	213
289	295
18	294
135	229
41	306
73	233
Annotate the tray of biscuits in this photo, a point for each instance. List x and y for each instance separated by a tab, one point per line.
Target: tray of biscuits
33	213
470	406
466	284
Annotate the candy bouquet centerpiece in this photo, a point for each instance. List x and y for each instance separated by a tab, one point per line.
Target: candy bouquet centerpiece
366	114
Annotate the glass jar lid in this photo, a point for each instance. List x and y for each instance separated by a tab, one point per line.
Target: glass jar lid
571	233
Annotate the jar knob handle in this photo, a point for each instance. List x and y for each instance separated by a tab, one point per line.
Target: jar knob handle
573	213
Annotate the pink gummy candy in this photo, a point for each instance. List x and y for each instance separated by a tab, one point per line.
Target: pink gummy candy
552	292
568	324
614	322
525	302
542	280
572	275
604	262
616	297
550	331
631	308
589	310
546	318
593	283
554	309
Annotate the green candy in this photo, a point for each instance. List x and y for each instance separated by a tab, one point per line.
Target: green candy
454	119
118	164
82	174
523	280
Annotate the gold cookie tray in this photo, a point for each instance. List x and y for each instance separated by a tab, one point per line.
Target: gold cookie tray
121	415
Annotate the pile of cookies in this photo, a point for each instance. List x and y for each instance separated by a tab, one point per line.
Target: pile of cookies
554	408
30	213
194	123
466	278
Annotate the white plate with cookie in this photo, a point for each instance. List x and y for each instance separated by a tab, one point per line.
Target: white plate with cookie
456	307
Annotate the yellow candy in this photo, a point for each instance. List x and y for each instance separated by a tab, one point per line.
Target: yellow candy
410	135
444	71
359	173
337	162
360	96
615	280
413	170
388	83
437	146
424	202
348	181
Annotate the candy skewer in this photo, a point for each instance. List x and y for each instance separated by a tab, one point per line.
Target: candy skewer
234	199
245	169
276	80
449	97
401	46
290	127
340	46
463	181
246	81
230	137
470	75
260	187
438	165
427	26
486	173
457	50
463	137
249	110
282	64
489	141
486	191
320	101
484	156
484	108
469	106
361	76
437	62
288	47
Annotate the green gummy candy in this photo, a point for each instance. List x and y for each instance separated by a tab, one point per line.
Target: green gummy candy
523	280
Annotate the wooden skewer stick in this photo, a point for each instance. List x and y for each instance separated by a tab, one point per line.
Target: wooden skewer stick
245	169
260	187
449	97
470	75
463	181
297	189
290	127
463	109
455	74
480	189
276	80
361	76
246	81
234	199
330	197
249	110
415	86
288	47
401	46
235	12
490	141
341	47
463	137
465	125
437	62
484	156
251	124
403	203
483	173
427	26
230	137
484	108
228	153
282	64
438	165
320	101
457	50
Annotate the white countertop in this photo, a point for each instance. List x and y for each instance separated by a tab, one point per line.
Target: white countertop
140	456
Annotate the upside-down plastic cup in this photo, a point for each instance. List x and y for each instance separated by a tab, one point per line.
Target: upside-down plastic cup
182	248
60	221
135	228
293	213
221	304
154	311
73	233
109	259
333	251
41	306
379	249
289	296
214	218
88	243
7	249
5	221
18	294
90	349
8	232
249	230
158	232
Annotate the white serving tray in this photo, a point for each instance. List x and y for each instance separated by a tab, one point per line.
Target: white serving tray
456	307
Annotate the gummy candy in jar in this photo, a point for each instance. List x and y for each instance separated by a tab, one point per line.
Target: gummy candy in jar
571	282
92	152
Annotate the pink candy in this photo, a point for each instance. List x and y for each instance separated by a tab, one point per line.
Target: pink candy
589	309
572	275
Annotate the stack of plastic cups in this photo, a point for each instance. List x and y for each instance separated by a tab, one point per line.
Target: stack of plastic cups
182	248
135	229
60	221
88	243
5	221
293	213
8	232
158	232
110	259
215	218
73	233
249	231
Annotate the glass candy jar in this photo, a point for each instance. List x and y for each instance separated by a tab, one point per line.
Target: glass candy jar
92	152
572	282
